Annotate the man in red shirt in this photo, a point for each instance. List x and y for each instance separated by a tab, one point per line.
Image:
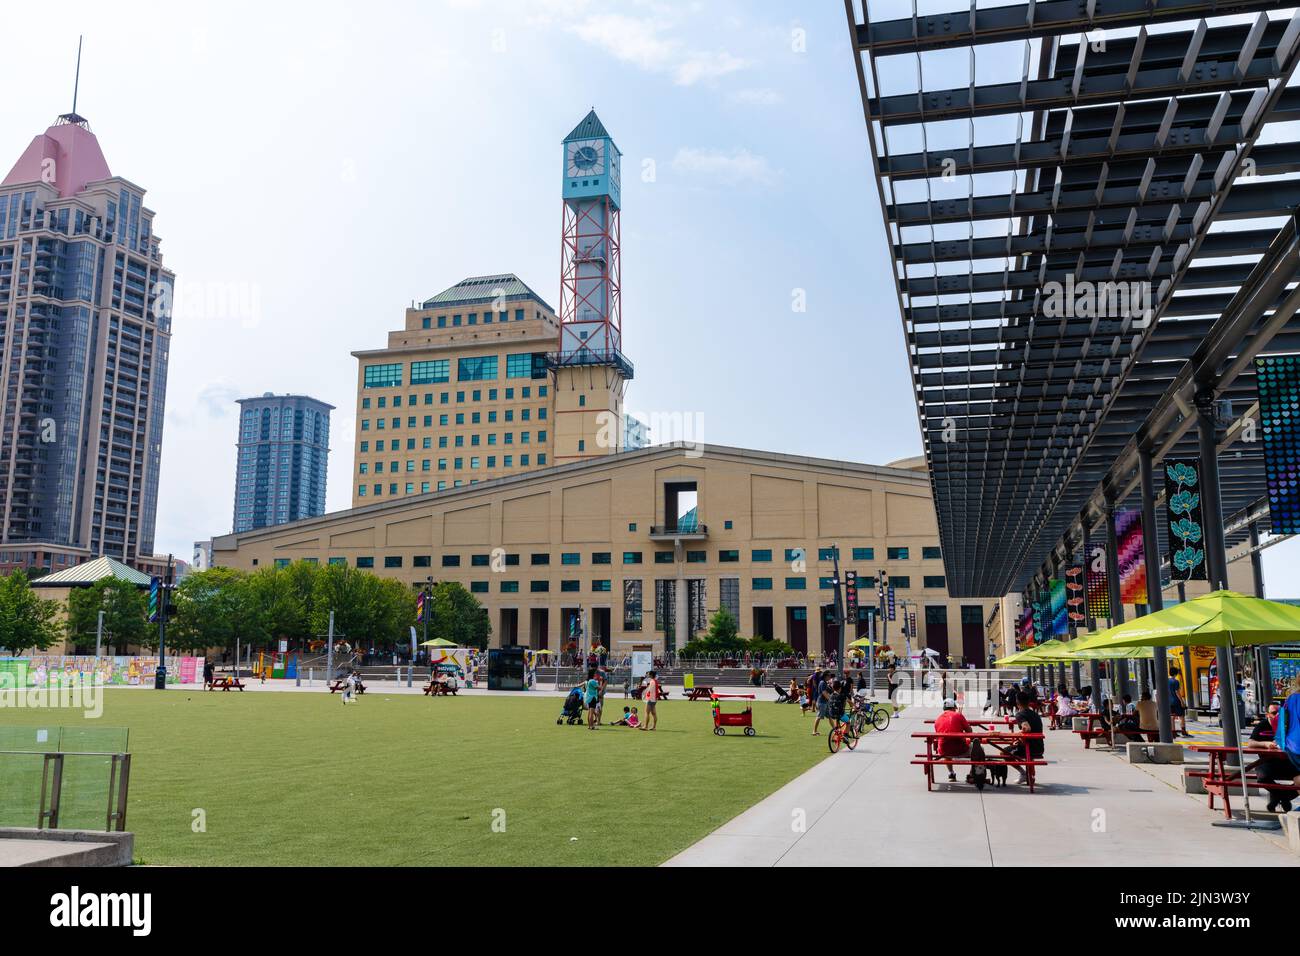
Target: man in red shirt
952	721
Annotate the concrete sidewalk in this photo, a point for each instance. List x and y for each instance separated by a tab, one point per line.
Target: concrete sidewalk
870	807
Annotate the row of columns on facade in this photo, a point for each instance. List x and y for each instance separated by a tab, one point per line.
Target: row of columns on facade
1156	670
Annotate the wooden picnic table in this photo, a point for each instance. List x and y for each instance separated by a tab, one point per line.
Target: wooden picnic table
445	688
339	684
931	758
698	692
226	684
1219	783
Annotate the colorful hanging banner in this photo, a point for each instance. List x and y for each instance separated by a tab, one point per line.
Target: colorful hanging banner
1057	593
1098	584
1132	557
1186	525
1074	600
1277	380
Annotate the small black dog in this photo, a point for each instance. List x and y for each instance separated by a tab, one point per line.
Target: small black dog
998	774
978	775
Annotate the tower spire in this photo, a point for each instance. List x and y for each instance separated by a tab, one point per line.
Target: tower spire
74	117
76	82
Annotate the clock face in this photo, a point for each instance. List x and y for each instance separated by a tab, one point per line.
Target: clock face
586	158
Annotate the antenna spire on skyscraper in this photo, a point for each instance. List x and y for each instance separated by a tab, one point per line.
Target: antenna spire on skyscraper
74	117
76	82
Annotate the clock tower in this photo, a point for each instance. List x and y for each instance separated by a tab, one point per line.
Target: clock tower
591	372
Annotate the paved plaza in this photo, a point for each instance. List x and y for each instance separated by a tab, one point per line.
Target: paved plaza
1090	808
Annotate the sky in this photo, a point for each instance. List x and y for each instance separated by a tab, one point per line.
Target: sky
317	168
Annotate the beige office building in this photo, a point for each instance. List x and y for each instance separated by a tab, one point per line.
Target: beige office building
462	394
623	547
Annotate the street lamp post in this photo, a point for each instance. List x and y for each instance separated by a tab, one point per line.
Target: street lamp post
160	676
424	622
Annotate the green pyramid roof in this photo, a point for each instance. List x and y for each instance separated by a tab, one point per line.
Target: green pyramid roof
89	572
590	128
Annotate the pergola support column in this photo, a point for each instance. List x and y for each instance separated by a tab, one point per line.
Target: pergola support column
1216	556
1155	599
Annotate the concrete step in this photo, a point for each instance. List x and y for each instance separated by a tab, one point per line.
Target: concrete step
23	846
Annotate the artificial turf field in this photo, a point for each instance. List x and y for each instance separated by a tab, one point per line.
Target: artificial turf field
299	779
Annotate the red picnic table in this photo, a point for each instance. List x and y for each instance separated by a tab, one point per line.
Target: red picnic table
931	758
990	722
1217	780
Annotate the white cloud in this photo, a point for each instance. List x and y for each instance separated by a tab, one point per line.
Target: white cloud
646	43
737	167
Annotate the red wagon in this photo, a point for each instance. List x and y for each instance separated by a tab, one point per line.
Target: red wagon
723	720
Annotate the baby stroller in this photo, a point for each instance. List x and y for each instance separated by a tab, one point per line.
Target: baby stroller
572	711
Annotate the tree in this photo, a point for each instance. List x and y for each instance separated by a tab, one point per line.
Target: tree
367	609
210	610
724	632
458	616
275	605
126	614
26	619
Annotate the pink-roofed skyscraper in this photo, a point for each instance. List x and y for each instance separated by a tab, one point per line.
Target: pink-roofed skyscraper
85	332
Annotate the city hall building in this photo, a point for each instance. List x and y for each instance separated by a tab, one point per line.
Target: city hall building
625	546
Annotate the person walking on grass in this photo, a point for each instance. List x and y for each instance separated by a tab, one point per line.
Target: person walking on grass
651	697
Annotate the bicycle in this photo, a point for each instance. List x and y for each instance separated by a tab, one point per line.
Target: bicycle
842	732
869	711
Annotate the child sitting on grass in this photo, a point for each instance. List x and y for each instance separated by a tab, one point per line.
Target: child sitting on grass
629	719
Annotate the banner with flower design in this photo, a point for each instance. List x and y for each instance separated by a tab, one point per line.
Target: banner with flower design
1186	524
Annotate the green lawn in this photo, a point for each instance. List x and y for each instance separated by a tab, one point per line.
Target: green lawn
300	779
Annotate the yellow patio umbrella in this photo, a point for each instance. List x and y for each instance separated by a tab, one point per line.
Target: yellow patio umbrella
439	642
1218	619
863	642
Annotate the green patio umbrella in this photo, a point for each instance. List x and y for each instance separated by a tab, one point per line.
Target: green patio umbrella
1085	648
1012	660
1218	619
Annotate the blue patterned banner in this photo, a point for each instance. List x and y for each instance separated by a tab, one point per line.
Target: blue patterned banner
1277	378
1186	526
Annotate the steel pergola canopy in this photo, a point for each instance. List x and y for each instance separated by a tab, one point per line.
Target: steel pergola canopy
1106	231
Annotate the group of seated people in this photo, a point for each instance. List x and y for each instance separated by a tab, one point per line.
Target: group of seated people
1027	721
1277	731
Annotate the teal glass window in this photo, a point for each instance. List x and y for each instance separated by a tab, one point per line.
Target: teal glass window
898	554
761	554
796	584
383	376
864	554
480	369
761	584
430	373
